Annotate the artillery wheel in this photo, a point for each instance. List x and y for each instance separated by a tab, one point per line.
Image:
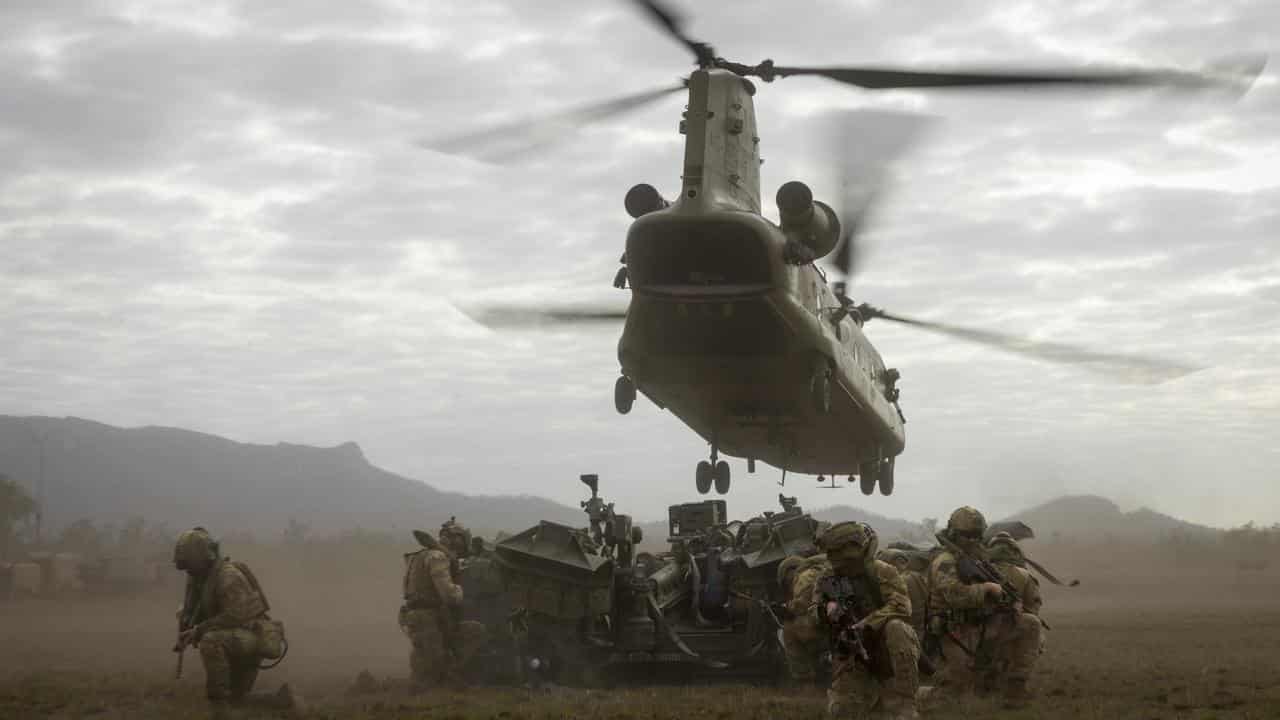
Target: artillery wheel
702	477
868	473
624	394
722	478
886	477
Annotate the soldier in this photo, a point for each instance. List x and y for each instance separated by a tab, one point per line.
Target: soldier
1007	556
430	613
888	676
973	621
224	614
917	585
801	637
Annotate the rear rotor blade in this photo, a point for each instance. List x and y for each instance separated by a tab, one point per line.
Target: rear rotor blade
863	144
516	138
508	316
1134	368
1235	73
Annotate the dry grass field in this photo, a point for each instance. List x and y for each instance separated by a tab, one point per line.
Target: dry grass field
1168	642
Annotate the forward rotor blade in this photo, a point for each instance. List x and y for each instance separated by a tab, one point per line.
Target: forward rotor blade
1236	72
498	316
516	138
671	22
1135	368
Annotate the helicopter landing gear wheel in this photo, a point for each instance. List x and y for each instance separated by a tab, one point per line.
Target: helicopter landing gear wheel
868	474
886	477
624	394
703	477
722	478
820	391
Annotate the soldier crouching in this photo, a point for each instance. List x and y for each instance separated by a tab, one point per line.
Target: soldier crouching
224	614
865	605
980	628
802	637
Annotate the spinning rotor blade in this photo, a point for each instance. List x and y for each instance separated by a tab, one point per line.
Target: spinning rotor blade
1136	368
1239	72
525	317
863	145
673	24
519	137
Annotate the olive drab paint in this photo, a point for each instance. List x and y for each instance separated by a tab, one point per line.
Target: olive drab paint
733	333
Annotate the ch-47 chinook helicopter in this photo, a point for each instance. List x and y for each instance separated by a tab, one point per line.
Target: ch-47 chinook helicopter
731	325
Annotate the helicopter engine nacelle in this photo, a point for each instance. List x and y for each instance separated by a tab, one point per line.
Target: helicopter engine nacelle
644	199
811	223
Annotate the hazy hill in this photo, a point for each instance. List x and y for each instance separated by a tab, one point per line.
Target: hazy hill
184	478
1089	517
888	528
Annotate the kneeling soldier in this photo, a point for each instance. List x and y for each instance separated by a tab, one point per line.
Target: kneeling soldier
224	614
865	605
978	621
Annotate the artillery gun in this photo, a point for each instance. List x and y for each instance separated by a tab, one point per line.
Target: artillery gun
592	610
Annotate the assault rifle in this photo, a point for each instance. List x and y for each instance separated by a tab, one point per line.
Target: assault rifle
846	633
973	569
187	620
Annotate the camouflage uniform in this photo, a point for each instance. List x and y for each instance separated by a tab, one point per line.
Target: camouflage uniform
851	549
226	612
801	636
432	615
972	635
917	587
429	616
1007	556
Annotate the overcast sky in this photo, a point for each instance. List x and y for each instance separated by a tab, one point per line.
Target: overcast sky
213	216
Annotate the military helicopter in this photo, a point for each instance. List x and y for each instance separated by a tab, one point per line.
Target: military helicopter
732	325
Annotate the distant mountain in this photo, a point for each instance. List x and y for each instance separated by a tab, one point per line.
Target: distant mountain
185	478
888	528
1089	517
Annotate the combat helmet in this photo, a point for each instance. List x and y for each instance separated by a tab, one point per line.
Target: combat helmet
851	542
966	524
1002	547
456	537
195	550
896	558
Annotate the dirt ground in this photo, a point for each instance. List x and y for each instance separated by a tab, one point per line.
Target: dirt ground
1161	643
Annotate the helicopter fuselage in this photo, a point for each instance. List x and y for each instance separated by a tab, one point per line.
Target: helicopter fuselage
729	330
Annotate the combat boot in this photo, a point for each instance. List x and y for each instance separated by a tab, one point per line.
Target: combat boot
899	708
1016	694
